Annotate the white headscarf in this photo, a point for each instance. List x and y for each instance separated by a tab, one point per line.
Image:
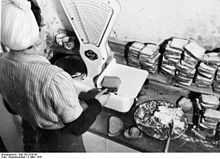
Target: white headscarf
19	29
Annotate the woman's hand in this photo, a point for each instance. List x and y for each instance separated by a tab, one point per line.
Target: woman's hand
89	95
83	104
102	97
97	94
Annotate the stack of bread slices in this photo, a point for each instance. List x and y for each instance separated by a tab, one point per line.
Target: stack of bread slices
149	57
134	53
172	55
186	68
210	104
205	75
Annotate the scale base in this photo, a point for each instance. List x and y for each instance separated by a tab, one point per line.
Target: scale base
132	80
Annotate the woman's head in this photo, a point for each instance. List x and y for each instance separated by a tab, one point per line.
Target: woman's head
19	29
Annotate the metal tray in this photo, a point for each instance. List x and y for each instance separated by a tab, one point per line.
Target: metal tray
151	125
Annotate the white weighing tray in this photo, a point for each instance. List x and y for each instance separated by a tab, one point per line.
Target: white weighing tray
132	80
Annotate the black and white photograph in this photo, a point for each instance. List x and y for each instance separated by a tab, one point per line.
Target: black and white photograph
109	76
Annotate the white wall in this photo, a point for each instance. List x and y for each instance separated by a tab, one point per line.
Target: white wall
155	20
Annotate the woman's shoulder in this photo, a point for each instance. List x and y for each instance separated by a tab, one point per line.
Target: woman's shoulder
57	73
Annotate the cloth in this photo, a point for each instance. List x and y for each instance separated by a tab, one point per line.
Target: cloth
19	29
41	93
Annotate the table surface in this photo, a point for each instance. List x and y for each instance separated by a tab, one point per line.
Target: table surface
186	143
153	90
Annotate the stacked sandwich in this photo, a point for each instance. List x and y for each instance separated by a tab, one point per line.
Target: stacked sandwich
209	101
211	117
172	55
186	68
133	54
185	73
216	85
149	57
205	75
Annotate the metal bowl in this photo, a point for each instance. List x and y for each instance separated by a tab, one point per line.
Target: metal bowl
152	126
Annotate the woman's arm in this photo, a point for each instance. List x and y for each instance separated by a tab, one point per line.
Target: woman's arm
65	101
86	119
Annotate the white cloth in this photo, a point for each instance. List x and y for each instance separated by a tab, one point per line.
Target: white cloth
19	29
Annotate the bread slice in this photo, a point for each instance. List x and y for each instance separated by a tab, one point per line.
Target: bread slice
166	71
185	73
115	126
195	50
169	56
210	106
149	50
206	75
172	62
149	60
209	125
190	60
202	79
185	68
146	64
184	63
112	83
136	47
172	50
169	67
183	78
212	114
210	99
178	43
185	83
206	68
